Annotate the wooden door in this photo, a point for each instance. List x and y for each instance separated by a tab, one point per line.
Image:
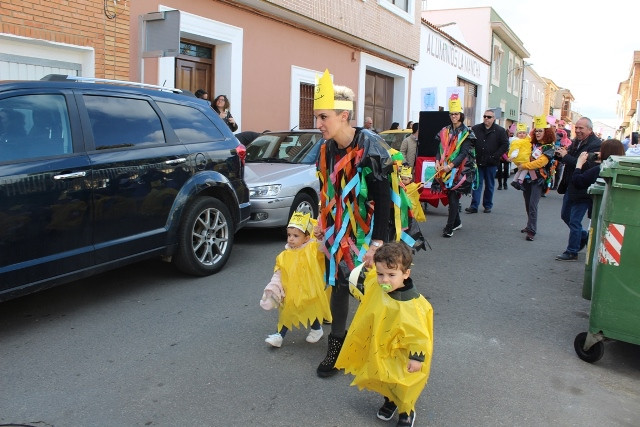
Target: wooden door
378	100
193	74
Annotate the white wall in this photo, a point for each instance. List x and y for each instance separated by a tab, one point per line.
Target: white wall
442	72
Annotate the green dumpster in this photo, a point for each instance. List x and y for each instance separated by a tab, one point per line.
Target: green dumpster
615	299
596	190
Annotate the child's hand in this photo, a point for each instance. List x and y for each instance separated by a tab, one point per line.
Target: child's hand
318	233
414	366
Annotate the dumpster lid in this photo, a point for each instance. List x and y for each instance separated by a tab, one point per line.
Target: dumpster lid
597	187
619	162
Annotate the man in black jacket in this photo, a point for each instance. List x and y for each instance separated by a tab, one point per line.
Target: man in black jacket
491	142
576	202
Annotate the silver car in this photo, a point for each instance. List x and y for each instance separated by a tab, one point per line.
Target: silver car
280	171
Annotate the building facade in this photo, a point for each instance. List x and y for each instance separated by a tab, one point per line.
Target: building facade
82	38
489	35
534	89
629	103
265	55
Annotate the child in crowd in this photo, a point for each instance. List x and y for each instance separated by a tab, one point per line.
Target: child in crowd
297	285
413	192
519	153
389	344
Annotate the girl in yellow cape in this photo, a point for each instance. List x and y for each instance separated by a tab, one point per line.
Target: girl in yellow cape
389	344
297	285
413	190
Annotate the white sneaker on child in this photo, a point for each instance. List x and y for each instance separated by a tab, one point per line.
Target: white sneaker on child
315	335
274	339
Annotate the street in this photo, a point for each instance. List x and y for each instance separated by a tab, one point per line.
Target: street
147	346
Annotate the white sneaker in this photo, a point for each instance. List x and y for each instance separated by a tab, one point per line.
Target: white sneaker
315	335
274	339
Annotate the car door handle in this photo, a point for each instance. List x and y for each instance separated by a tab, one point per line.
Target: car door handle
70	175
176	161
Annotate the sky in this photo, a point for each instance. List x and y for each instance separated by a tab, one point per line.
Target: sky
584	46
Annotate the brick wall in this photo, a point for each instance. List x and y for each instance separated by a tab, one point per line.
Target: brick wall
366	20
75	22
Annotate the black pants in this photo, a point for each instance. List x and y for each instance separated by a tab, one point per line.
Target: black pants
503	173
453	220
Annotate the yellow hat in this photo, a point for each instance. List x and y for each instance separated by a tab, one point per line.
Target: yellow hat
521	127
540	122
406	172
324	95
454	105
301	221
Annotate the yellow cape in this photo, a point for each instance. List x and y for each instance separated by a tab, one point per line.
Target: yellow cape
302	274
414	195
383	333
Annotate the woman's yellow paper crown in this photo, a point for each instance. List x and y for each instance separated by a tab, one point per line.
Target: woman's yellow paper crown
301	221
324	96
540	122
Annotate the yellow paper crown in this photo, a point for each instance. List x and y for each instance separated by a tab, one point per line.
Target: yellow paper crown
521	127
540	122
405	171
455	106
301	221
324	98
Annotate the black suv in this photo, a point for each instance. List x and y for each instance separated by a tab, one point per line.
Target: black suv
95	175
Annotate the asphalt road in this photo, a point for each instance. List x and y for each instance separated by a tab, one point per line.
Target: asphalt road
147	346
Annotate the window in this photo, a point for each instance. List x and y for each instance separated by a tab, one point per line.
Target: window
306	106
190	124
402	4
496	63
403	8
123	122
34	126
511	74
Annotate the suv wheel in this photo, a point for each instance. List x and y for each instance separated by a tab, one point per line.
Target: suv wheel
205	237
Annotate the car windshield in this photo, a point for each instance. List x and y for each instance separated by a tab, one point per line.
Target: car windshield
284	147
394	139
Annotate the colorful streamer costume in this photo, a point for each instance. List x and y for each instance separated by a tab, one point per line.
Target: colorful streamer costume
346	215
460	178
385	331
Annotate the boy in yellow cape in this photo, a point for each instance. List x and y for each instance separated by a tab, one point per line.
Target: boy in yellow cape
389	344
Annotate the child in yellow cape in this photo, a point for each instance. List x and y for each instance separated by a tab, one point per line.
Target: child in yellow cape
297	286
389	344
413	191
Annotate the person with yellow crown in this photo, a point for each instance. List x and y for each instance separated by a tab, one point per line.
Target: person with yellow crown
297	285
413	191
519	153
455	164
361	202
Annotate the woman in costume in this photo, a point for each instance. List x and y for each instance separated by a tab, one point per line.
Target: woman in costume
355	169
297	285
455	164
539	172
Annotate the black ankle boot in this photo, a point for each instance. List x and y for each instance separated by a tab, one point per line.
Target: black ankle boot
327	366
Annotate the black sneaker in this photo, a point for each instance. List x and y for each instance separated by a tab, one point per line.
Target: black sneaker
387	410
516	185
567	257
406	420
457	227
447	232
471	210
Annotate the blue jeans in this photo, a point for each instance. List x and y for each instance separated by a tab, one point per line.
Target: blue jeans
487	175
572	213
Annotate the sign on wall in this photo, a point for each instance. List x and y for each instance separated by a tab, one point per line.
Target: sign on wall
429	99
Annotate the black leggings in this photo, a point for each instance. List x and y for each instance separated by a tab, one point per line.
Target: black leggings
339	309
315	325
503	172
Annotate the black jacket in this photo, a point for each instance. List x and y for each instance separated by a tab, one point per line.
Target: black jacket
590	145
490	144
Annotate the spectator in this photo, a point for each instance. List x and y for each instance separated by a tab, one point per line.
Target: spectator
491	143
634	147
409	146
368	123
536	171
576	202
394	126
221	106
584	175
202	94
409	125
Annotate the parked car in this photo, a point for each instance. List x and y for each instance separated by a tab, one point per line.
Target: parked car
94	176
394	137
281	175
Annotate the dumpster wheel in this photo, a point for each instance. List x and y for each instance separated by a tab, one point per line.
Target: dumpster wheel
591	355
